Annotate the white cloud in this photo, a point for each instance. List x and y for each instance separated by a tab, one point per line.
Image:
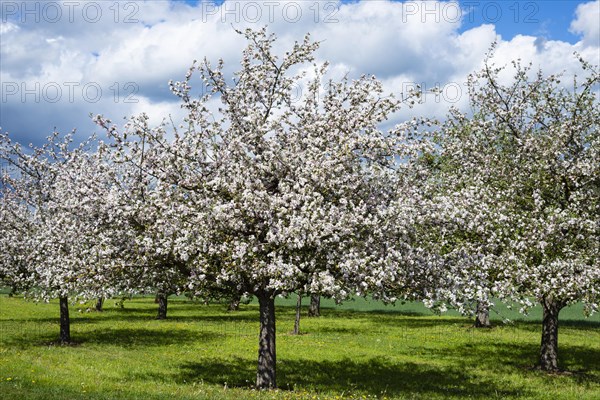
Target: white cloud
158	111
586	23
6	27
130	52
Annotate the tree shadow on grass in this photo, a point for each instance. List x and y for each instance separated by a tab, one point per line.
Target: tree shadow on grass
372	376
382	320
173	317
147	337
582	362
123	337
582	324
139	316
469	372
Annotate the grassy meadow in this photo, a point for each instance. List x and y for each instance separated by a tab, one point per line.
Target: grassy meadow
360	350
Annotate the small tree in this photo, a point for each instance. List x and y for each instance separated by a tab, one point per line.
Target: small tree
296	330
314	309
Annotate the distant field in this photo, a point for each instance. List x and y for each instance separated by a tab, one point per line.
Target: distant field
499	312
359	350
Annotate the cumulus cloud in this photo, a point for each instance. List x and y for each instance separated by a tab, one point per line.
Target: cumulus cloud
116	58
586	23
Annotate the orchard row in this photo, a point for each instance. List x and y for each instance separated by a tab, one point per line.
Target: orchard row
259	193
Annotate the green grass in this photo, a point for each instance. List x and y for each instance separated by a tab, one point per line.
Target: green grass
359	350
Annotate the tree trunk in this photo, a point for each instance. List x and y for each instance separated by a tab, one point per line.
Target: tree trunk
162	306
297	321
482	315
314	310
234	304
65	323
549	348
99	303
265	376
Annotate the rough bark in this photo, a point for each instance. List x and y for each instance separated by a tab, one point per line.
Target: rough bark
549	349
234	304
65	323
99	303
162	306
297	320
314	310
266	373
482	316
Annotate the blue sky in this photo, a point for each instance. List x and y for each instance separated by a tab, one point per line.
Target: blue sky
550	19
59	63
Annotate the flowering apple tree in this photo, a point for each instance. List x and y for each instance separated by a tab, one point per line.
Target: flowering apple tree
51	247
518	202
274	193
